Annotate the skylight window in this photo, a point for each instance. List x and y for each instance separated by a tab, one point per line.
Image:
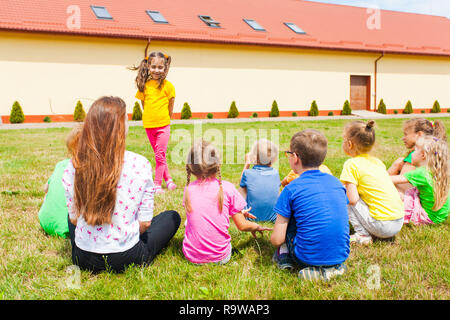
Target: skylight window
101	12
157	16
210	22
295	28
254	25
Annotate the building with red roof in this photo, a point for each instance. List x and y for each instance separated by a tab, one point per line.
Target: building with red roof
54	53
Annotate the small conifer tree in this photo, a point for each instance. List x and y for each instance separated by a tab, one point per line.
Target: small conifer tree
233	112
16	115
314	110
274	112
381	107
408	108
186	111
436	107
137	113
346	110
79	114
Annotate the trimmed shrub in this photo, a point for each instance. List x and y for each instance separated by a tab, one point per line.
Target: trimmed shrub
209	116
346	110
186	111
331	113
314	110
422	111
255	115
47	119
233	112
436	107
274	112
79	114
16	115
137	113
408	108
381	107
395	111
294	114
448	110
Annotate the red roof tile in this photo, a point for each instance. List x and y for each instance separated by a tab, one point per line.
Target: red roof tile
327	26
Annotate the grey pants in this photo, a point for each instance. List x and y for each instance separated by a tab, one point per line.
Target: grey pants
364	224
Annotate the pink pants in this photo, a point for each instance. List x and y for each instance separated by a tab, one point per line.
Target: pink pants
159	139
413	209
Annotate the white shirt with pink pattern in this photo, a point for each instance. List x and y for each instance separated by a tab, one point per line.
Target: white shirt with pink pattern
134	203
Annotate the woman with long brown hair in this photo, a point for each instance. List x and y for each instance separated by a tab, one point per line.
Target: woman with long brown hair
109	194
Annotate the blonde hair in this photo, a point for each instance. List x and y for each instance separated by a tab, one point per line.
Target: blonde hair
436	155
433	128
203	162
72	139
264	152
361	134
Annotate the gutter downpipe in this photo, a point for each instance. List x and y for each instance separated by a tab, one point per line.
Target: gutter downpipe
375	81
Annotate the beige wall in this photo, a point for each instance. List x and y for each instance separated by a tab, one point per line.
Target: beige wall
48	73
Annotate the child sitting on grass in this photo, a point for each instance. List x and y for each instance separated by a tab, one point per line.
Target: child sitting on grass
261	184
427	201
53	213
210	202
375	206
312	228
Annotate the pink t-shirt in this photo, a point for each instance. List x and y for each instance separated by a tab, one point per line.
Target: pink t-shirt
206	238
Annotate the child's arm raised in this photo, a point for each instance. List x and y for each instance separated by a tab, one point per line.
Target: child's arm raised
244	225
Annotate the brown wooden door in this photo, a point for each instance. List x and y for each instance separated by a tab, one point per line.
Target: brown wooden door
360	92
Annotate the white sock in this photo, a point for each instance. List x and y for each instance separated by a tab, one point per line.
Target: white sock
283	249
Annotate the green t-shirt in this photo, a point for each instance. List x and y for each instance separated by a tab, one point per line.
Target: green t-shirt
422	180
54	213
408	157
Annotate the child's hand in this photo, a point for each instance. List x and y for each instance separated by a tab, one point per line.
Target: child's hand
260	229
247	214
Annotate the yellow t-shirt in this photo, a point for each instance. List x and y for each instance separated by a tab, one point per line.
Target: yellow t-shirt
292	175
374	186
156	103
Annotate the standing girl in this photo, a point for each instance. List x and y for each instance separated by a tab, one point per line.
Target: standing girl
157	96
109	193
375	207
427	201
413	129
210	202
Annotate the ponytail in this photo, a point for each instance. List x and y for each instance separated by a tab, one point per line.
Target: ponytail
187	202
220	194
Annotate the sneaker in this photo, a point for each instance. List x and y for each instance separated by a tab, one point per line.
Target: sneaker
332	272
311	274
364	240
158	189
171	185
283	261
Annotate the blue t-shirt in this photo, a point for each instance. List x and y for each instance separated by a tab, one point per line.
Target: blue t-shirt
318	203
263	187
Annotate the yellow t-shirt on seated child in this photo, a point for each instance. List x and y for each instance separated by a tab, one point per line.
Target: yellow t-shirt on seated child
156	103
374	186
292	175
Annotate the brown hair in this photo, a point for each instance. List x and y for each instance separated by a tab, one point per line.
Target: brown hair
144	68
433	128
361	134
72	140
203	162
98	160
436	155
264	152
311	146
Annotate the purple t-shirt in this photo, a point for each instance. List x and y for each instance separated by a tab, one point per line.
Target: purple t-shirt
206	237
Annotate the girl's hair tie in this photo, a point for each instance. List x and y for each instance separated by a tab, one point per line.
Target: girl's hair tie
166	56
146	58
432	124
435	139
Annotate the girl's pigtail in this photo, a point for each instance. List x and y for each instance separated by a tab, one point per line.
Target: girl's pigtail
187	202
436	152
439	130
220	194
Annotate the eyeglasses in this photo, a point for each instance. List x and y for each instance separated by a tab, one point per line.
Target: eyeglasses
287	153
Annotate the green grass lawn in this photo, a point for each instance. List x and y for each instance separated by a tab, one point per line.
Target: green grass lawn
34	265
